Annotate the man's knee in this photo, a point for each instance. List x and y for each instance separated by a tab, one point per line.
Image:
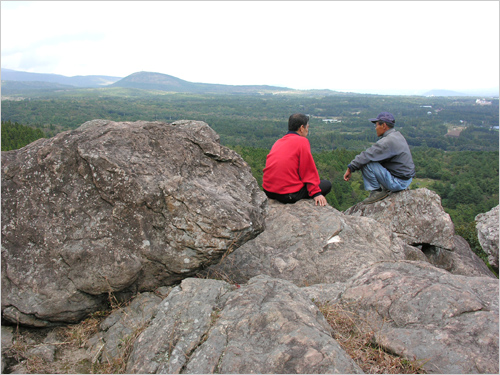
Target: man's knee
372	166
325	186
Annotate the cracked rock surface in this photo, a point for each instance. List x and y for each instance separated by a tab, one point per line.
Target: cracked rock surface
487	226
415	216
448	322
419	220
309	245
117	207
266	326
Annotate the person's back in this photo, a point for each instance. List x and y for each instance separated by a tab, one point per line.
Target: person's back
290	173
281	174
401	163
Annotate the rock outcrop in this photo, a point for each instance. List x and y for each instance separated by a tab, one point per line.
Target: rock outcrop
446	323
118	207
417	217
265	326
449	323
487	232
307	245
138	209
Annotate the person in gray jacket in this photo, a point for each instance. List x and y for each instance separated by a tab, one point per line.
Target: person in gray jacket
386	166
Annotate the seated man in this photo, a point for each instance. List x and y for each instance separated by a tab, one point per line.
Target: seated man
290	173
386	166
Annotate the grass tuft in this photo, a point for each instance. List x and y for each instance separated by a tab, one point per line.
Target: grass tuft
357	338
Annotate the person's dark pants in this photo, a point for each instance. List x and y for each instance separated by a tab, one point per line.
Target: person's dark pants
324	185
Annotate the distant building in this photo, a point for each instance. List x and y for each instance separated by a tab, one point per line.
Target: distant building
331	120
455	133
482	102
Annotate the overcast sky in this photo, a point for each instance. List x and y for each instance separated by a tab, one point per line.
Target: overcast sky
359	46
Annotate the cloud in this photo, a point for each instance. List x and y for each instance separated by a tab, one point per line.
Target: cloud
301	44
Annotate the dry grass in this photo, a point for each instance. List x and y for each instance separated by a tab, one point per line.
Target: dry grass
78	334
118	365
70	341
356	337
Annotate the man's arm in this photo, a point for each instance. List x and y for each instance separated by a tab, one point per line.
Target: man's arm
377	152
347	175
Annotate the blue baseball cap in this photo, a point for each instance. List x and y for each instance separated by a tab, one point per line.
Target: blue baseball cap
384	117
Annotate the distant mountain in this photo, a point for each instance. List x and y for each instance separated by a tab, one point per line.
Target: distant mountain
443	93
18	82
24	87
165	82
485	92
76	81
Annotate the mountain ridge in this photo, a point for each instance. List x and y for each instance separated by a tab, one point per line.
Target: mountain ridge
164	82
77	81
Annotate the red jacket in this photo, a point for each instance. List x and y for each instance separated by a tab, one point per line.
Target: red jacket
290	165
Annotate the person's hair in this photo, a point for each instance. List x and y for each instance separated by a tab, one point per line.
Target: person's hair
387	123
296	121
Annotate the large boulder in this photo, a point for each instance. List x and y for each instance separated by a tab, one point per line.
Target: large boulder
415	216
487	234
447	323
209	326
118	207
418	218
308	244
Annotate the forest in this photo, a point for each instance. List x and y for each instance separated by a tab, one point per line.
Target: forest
463	169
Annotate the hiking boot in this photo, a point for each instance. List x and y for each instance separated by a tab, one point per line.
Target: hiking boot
376	195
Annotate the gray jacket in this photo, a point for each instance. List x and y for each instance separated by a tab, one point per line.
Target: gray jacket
392	152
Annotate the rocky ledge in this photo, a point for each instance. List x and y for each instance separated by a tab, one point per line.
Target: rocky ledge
218	278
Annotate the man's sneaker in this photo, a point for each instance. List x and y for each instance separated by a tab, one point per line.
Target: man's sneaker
376	195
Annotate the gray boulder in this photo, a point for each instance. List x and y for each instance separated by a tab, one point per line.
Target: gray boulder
448	323
265	326
415	216
118	207
418	218
487	233
308	244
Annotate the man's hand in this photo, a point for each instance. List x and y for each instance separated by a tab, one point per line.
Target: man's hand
347	175
319	200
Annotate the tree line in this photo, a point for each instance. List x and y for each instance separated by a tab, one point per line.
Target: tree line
15	136
258	120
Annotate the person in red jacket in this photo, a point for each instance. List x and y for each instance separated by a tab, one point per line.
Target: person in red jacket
290	173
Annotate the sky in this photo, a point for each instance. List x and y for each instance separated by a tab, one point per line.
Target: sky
357	46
